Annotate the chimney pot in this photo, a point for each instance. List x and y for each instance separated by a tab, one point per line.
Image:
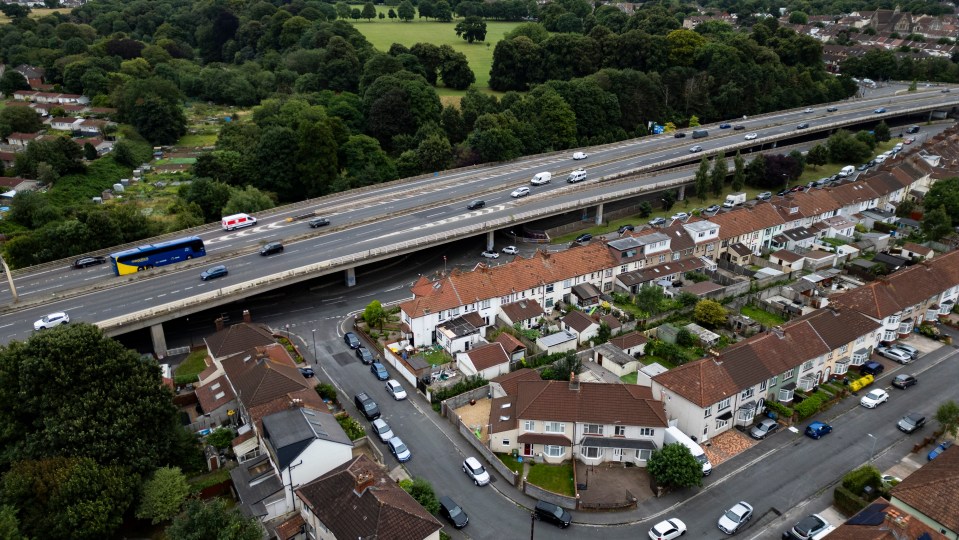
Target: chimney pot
219	323
247	318
363	482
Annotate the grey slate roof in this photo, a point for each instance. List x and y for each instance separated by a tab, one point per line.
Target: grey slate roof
290	432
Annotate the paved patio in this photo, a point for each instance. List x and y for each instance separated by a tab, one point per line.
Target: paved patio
612	484
727	445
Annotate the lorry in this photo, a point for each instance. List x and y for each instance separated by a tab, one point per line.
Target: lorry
673	435
734	199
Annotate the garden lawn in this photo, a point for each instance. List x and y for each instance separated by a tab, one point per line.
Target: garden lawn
511	462
189	369
555	478
629	378
762	316
382	33
198	139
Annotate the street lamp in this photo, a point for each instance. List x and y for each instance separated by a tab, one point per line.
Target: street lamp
314	345
288	338
872	452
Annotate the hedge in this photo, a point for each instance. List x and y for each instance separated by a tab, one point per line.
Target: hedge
808	407
467	384
847	503
780	409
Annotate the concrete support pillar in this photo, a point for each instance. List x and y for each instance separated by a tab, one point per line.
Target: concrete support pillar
489	241
159	340
599	214
681	193
350	277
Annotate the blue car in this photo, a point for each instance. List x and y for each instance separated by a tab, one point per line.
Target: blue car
724	126
213	273
380	371
817	429
934	453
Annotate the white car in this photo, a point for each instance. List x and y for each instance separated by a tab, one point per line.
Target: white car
694	149
519	192
476	471
751	136
807	111
667	530
52	320
395	389
680	216
382	430
580	155
490	254
735	517
874	398
510	250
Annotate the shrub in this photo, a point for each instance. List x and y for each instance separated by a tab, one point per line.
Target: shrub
780	409
808	407
696	276
846	501
422	491
354	430
221	437
327	391
467	384
867	475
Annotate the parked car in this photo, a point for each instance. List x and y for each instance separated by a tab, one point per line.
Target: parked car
271	248
903	381
583	238
510	250
679	135
396	390
934	453
307	372
734	518
580	155
84	262
751	136
319	222
724	126
475	205
382	430
894	354
875	398
912	129
782	192
214	272
476	471
911	423
667	529
765	428
52	320
552	513
379	370
764	196
490	254
871	368
655	222
908	349
453	513
880	110
367	406
807	528
351	340
625	228
683	216
399	450
817	430
712	209
364	355
519	192
832	109
694	149
803	125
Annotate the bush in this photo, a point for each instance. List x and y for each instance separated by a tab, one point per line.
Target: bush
808	407
354	430
327	391
467	384
846	501
696	277
857	480
422	491
221	438
780	409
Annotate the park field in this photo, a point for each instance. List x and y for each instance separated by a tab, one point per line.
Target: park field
384	32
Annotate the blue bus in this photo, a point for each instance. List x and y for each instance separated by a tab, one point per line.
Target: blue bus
145	257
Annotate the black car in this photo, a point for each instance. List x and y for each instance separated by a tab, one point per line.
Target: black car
783	192
583	238
271	248
912	129
903	381
366	406
739	127
319	222
872	368
911	422
832	109
213	273
307	372
553	514
84	262
364	355
625	228
453	513
804	125
475	205
351	340
679	135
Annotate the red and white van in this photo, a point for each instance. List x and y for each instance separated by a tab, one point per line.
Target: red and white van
237	221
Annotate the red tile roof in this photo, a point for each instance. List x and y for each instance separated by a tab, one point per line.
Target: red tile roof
487	356
510	381
630	340
578	321
933	489
509	343
215	394
522	310
599	403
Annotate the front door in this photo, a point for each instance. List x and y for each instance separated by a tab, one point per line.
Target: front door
617	454
527	449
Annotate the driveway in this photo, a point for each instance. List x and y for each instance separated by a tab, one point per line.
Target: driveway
612	486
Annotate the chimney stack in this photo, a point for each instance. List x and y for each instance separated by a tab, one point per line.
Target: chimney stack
364	480
219	323
247	318
573	382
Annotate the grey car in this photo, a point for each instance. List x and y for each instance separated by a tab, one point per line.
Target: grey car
764	428
213	273
908	349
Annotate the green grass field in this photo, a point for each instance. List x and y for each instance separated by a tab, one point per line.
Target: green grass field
384	32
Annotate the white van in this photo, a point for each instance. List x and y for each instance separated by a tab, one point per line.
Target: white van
541	179
673	435
237	221
847	170
576	176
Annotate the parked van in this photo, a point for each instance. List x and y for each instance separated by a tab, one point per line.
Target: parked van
237	221
700	133
541	178
577	176
673	435
847	170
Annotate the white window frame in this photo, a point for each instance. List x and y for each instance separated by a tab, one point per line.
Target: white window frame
723	405
529	425
620	431
592	452
554	451
593	429
647	432
551	427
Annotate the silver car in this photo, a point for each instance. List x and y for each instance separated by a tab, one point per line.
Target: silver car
764	428
382	430
908	349
894	354
734	518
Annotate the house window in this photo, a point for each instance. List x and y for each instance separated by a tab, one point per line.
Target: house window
788	375
720	424
807	365
608	272
748	393
676	256
662	258
549	302
724	404
772	381
646	432
620	431
567	283
643	455
785	395
591	452
624	268
555	427
707	412
593	429
529	425
549	288
845	347
506	442
554	451
709	247
762	386
608	286
842	367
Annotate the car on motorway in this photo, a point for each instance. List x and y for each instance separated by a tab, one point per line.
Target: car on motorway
476	471
818	429
904	380
668	529
911	423
764	196
217	271
872	368
271	248
739	127
945	91
751	136
307	372
490	254
623	228
554	514
934	453
399	450
583	238
679	135
475	205
724	126
763	429
51	321
734	518
367	406
382	430
510	250
350	339
453	513
880	110
683	216
894	354
908	349
364	355
803	125
519	192
84	262
379	370
832	109
319	222
875	398
694	149
808	110
396	390
809	528
655	222
580	155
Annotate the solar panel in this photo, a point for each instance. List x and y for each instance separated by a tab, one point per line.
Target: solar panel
874	514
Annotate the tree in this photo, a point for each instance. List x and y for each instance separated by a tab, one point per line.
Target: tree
443	12
944	193
650	298
685	338
9	524
936	223
422	491
881	132
369	11
213	519
471	29
406	11
221	438
564	368
163	495
19	120
153	107
739	176
392	13
247	200
702	179
673	466
209	195
798	17
604	333
645	209
756	171
669	199
948	417
844	148
718	174
818	155
710	313
375	315
11	81
89	152
123	154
